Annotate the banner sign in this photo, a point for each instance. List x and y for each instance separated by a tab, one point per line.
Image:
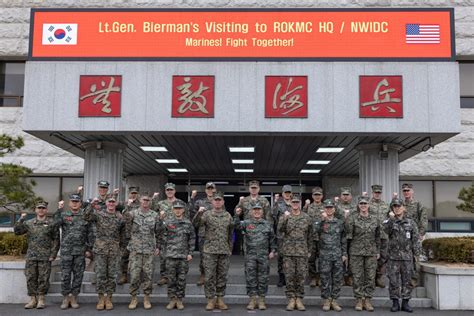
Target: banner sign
245	34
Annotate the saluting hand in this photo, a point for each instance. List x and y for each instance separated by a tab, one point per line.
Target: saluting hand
23	215
162	215
286	214
115	191
157	252
156	194
193	194
61	204
238	211
391	214
307	202
189	258
277	196
271	255
201	209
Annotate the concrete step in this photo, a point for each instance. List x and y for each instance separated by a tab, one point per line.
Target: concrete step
280	300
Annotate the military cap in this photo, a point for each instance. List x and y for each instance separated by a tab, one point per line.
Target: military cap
218	195
111	198
377	188
178	204
254	184
345	190
133	189
396	201
407	186
210	185
103	184
363	199
170	185
296	197
317	190
42	204
287	188
257	205
329	203
74	197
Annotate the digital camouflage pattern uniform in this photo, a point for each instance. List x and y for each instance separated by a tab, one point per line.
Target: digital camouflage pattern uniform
142	234
124	260
279	208
296	232
363	234
77	237
380	208
403	245
207	204
247	203
110	236
259	241
43	243
341	208
218	231
177	242
314	211
332	246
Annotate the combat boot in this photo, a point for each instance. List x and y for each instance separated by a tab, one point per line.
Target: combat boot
348	280
395	305
359	305
179	304
101	303
220	303
73	301
313	282
146	302
318	280
123	279
108	302
200	282
368	305
261	303
65	302
299	304
406	307
32	303
252	303
327	305
281	280
162	281
291	304
380	282
133	302
171	304
41	303
211	304
335	306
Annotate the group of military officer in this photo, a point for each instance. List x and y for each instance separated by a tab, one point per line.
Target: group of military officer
330	239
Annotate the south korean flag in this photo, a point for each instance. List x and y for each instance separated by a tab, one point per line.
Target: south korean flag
60	34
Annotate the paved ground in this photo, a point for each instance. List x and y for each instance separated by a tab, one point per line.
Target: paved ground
235	310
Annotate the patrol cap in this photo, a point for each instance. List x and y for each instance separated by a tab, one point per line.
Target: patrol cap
42	204
318	190
345	190
396	201
407	186
133	189
103	184
74	197
257	205
363	199
287	188
254	184
210	185
111	198
170	185
296	197
329	203
377	188
178	204
218	196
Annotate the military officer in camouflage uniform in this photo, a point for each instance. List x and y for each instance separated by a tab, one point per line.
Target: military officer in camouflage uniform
218	230
165	209
142	227
296	231
132	203
416	211
380	208
110	236
245	204
282	204
196	205
332	247
345	207
178	238
363	233
76	244
314	211
260	246
43	246
403	244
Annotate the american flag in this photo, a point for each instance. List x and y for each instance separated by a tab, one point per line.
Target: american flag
422	34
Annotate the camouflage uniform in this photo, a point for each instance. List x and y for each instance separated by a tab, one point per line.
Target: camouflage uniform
380	208
341	206
403	245
207	204
279	208
77	237
43	243
314	211
110	236
177	242
364	236
259	242
297	242
247	203
142	235
332	246
218	231
124	260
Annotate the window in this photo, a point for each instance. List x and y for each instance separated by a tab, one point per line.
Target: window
466	84
12	81
446	193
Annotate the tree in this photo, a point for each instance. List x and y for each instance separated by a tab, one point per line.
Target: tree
467	195
16	191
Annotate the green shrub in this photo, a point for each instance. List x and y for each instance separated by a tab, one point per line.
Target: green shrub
450	249
12	245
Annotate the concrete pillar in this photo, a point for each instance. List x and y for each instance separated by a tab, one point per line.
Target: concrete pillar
103	161
378	164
